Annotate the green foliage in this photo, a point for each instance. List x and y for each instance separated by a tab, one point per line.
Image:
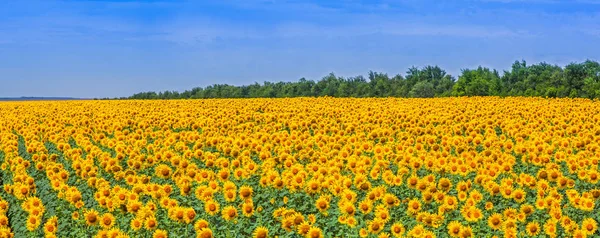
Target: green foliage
422	89
538	80
479	82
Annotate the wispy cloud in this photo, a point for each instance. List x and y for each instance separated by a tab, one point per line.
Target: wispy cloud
592	31
206	33
395	29
546	1
523	1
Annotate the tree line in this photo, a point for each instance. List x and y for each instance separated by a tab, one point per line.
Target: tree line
542	79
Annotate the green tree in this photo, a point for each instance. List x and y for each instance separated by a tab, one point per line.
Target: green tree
574	80
479	82
422	89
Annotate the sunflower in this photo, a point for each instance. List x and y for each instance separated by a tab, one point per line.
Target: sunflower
495	221
349	195
489	206
476	214
102	233
450	203
342	219
382	213
204	233
229	195
312	218
75	215
454	228
417	231
107	220
298	218
165	202
3	220
136	224
510	213
150	223
383	235
260	232
46	235
229	213
589	226
322	204
466	231
363	233
50	226
397	229
285	199
365	206
91	217
587	204
248	209
351	222
200	224
540	204
390	200
518	195
211	207
567	223
190	214
223	174
177	213
312	186
33	223
444	184
246	192
303	228
348	208
507	192
532	229
162	171
412	181
158	233
509	225
314	232
550	228
521	216
526	209
375	226
414	206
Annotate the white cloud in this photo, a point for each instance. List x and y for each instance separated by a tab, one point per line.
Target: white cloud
592	32
207	32
521	1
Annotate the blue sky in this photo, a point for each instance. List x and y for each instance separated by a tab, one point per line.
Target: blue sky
116	48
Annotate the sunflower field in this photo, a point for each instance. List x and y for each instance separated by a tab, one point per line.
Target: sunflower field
301	167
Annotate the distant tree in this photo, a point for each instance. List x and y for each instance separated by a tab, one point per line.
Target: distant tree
422	89
591	83
479	82
574	80
441	81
